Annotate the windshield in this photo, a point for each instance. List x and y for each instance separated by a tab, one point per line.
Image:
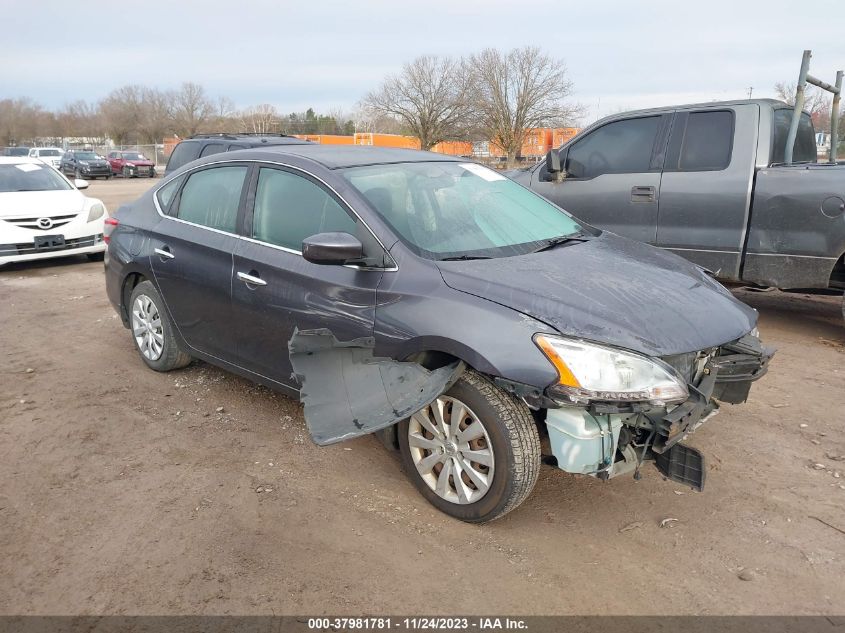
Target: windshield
444	210
17	151
49	152
133	156
31	177
86	155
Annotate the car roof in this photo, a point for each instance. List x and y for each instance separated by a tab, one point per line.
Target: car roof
18	160
340	156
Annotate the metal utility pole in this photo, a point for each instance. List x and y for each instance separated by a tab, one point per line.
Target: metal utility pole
804	78
750	90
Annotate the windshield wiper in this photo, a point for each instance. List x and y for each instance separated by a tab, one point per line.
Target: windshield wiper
463	258
550	243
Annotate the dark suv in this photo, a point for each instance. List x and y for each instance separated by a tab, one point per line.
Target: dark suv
207	144
84	164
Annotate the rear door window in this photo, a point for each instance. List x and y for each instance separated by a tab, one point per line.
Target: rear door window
211	197
621	147
166	193
706	141
290	208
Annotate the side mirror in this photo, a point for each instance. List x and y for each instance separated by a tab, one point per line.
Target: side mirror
80	184
332	248
553	161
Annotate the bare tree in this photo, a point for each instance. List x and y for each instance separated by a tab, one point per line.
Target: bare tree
260	119
80	119
156	114
815	102
20	120
192	109
518	90
122	112
429	96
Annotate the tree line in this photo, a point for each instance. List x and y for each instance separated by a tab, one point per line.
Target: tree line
489	95
135	114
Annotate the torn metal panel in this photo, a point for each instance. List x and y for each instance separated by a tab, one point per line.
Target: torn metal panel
347	392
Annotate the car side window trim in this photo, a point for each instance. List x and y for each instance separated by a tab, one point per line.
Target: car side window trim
250	181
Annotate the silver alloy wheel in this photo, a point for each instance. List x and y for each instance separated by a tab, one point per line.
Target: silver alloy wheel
147	328
451	450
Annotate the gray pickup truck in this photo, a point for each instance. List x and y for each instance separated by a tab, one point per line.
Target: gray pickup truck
708	182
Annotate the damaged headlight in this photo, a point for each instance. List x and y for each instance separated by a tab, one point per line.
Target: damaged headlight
588	372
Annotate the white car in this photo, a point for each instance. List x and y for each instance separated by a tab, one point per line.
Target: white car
43	214
50	155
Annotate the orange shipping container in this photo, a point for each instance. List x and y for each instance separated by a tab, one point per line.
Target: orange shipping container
336	139
562	135
537	142
453	148
387	140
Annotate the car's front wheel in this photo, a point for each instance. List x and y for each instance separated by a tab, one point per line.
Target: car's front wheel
127	173
152	330
474	453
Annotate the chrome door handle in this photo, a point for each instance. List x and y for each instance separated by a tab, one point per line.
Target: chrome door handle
252	281
164	253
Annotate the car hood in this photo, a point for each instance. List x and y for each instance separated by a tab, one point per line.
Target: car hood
611	290
95	162
40	203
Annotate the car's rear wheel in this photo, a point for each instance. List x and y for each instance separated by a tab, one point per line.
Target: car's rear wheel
152	330
474	453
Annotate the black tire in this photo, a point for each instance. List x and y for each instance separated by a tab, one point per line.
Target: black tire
95	257
515	445
127	173
77	174
172	356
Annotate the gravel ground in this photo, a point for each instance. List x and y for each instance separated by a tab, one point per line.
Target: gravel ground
131	492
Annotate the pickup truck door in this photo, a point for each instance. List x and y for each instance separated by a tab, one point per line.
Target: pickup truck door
613	176
705	192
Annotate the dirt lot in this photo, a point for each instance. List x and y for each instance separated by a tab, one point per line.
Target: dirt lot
126	491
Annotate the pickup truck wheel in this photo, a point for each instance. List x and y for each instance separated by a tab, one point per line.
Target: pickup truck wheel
152	330
474	453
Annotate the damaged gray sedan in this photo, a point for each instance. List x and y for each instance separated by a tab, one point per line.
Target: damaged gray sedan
477	328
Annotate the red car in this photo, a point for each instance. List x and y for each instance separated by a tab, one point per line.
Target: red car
131	163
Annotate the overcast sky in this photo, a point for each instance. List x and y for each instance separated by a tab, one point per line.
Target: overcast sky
621	54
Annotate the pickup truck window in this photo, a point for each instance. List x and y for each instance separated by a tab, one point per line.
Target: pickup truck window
621	147
805	142
708	141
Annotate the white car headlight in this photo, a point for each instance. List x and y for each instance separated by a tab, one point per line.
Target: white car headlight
96	211
588	372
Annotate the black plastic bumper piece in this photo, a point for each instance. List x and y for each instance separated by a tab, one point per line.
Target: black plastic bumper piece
682	464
